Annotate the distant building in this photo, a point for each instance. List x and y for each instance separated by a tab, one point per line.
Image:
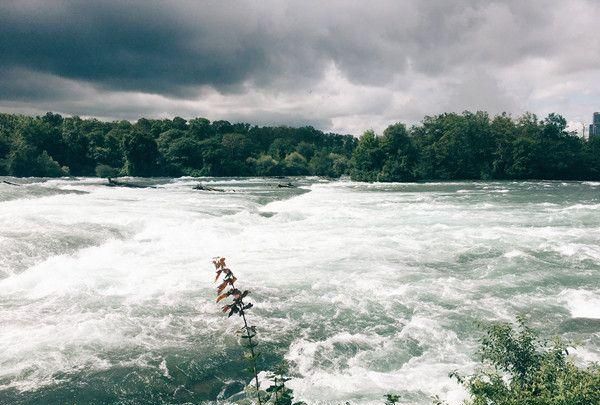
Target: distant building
595	125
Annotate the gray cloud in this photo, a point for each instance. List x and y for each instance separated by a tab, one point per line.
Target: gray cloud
296	61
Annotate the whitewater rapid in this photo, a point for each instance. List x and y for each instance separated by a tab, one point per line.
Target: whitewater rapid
107	293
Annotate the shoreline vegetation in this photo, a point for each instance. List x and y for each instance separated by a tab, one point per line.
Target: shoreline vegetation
450	146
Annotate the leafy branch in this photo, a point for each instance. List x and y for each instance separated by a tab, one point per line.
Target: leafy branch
236	305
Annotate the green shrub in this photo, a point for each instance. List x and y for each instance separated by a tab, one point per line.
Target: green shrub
520	369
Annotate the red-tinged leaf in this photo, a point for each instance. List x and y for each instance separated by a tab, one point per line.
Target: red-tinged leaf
226	308
222	286
218	274
222	296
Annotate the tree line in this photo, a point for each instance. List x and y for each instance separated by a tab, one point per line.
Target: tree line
476	147
443	147
52	145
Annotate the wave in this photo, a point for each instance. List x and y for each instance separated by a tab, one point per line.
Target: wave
27	191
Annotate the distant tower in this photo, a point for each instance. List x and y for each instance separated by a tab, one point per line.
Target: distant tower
595	126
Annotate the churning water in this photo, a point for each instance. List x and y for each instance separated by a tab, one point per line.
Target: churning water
107	294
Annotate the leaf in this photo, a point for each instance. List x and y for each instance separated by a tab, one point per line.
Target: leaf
226	308
248	306
222	286
222	296
218	275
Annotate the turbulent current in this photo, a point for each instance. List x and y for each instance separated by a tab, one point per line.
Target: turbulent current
107	293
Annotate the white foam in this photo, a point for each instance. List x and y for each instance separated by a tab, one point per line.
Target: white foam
582	303
515	253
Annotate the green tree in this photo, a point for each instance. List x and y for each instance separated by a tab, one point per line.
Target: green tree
265	165
367	159
179	152
306	149
341	164
141	154
105	148
503	133
75	147
592	157
295	164
47	167
400	155
280	148
322	165
200	128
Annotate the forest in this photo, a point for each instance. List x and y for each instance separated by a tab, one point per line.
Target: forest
450	146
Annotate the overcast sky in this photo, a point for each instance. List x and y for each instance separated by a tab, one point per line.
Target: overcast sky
343	66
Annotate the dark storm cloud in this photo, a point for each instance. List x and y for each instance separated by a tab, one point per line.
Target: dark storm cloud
164	47
282	48
120	45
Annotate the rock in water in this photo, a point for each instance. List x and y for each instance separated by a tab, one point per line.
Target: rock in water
288	185
202	187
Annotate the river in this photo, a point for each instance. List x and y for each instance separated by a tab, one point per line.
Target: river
107	293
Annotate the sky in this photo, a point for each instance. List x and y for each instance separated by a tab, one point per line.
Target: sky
343	66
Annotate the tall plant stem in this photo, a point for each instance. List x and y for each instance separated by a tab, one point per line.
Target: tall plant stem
252	353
